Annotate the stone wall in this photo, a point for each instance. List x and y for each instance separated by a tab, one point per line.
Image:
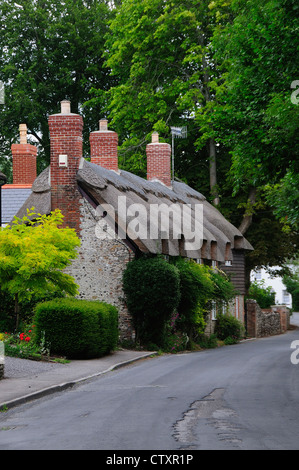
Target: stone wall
266	322
99	266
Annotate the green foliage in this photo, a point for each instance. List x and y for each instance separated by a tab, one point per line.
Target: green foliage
22	344
263	295
33	253
256	118
77	328
284	198
199	286
230	327
50	51
207	342
26	309
169	301
196	287
175	339
161	55
151	288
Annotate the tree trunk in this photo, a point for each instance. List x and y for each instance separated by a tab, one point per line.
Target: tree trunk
247	219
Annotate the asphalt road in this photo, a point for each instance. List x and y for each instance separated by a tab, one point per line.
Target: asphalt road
239	397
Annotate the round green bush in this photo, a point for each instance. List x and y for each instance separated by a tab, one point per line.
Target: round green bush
152	291
77	329
228	326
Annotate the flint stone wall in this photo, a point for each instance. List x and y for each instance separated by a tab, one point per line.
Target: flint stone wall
99	267
266	322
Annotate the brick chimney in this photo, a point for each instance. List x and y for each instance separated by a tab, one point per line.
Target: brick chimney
103	147
23	159
66	146
158	161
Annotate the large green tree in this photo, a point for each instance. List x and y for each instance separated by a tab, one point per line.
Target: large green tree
160	51
257	119
211	66
49	51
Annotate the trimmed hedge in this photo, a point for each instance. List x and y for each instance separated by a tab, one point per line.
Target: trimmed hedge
77	329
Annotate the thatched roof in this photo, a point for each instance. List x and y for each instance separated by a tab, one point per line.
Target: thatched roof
103	186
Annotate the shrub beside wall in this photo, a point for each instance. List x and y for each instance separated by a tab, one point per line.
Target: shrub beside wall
151	287
229	329
77	329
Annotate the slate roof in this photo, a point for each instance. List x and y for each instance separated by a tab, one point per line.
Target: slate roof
12	199
105	186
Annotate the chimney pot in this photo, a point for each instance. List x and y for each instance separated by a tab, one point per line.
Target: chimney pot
103	125
155	138
23	133
65	107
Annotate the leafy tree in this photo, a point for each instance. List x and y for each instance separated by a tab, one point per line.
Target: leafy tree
284	198
160	51
256	118
49	51
33	253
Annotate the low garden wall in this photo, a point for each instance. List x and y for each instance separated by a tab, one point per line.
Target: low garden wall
266	322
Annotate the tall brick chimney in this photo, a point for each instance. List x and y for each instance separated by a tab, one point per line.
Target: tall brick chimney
158	161
103	147
66	146
23	159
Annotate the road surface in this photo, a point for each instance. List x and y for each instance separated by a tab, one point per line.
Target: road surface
239	397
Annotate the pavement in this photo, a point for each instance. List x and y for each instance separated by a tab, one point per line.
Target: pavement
25	380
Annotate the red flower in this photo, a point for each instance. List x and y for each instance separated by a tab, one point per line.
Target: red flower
27	338
22	336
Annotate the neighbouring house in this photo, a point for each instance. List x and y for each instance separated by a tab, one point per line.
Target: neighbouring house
119	215
263	276
14	195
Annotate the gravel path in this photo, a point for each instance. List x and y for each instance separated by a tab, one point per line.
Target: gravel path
16	367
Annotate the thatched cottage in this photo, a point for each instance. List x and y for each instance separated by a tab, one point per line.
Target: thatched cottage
119	215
